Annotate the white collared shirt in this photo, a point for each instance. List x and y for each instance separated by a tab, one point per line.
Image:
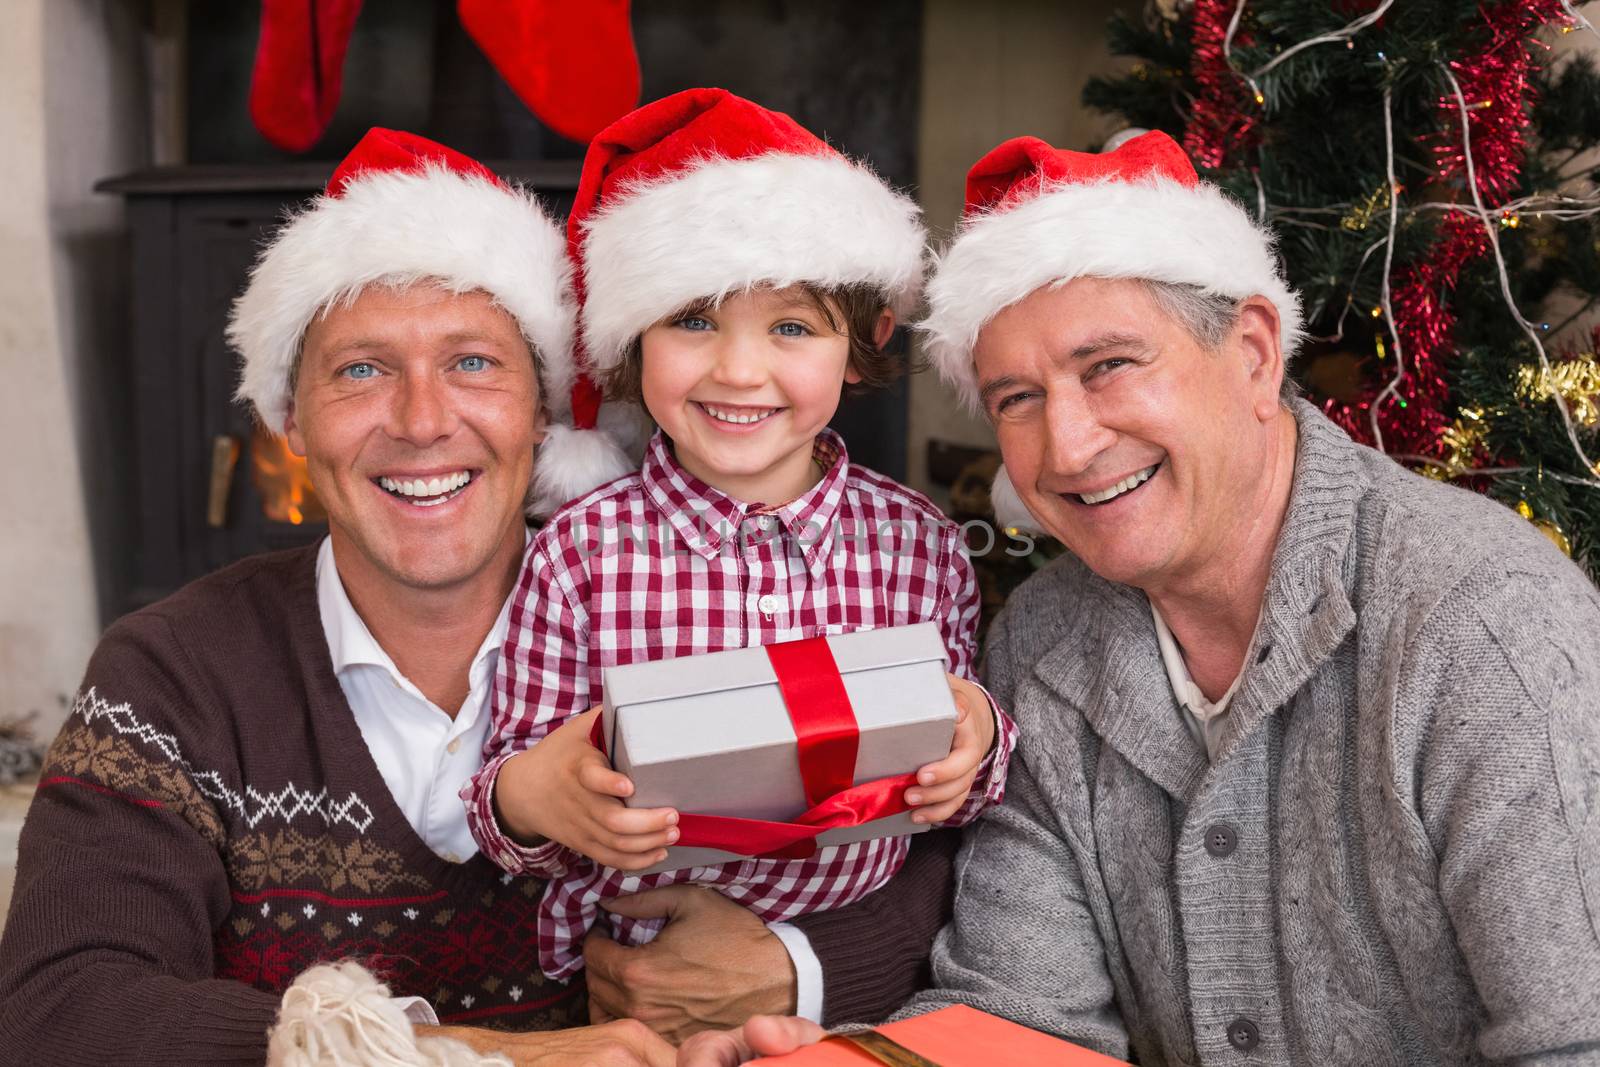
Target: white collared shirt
424	755
1204	718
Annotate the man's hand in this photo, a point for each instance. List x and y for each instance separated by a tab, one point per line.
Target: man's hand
764	1035
942	787
563	790
713	966
619	1044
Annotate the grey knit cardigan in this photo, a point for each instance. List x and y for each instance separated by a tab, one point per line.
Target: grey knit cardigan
1395	858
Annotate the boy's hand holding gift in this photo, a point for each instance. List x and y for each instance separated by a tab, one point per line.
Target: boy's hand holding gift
564	790
943	787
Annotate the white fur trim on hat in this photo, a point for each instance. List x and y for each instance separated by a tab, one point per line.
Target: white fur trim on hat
339	1013
726	225
572	462
397	228
1154	230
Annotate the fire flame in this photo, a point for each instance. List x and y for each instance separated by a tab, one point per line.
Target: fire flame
282	481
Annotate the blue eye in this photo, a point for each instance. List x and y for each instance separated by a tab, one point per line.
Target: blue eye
693	322
473	363
360	371
792	329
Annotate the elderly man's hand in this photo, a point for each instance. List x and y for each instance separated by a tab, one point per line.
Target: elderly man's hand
764	1035
618	1044
712	967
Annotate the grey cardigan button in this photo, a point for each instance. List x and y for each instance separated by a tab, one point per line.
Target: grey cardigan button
1221	840
1243	1035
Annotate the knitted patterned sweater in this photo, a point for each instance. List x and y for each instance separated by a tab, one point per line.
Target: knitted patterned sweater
209	823
1394	858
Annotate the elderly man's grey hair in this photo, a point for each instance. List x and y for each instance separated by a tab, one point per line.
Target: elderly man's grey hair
1207	317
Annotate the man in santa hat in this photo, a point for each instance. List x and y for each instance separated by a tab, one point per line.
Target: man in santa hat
260	773
1309	768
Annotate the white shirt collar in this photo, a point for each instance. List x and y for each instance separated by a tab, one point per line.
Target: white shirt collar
1183	687
350	641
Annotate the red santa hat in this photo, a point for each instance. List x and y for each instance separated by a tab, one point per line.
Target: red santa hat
403	209
703	194
1037	215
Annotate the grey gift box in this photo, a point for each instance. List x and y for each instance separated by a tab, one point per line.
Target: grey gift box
710	734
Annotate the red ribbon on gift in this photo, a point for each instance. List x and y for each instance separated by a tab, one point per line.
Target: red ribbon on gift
796	840
824	722
828	737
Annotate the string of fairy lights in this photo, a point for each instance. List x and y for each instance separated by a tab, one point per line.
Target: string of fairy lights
1342	34
1386	297
1573	385
1491	231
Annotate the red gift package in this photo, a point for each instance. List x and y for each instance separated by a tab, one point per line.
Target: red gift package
957	1036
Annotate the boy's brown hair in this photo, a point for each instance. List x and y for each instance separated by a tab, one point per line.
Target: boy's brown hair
852	310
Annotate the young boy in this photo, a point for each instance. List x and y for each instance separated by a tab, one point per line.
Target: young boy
737	274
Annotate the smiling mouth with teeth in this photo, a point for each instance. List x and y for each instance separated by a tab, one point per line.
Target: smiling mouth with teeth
737	416
426	492
1127	485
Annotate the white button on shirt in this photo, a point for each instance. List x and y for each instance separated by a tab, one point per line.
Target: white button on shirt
424	755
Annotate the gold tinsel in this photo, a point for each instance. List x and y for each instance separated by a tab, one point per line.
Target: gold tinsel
1461	441
1576	381
1557	537
1360	216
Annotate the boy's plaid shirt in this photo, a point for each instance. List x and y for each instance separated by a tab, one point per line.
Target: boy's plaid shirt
658	565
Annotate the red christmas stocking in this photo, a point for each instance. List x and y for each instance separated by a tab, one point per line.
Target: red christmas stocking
571	61
300	68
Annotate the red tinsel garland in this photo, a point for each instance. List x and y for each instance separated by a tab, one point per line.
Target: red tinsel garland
1412	418
1495	83
1494	79
1220	121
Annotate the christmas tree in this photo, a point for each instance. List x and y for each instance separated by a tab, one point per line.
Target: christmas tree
1429	168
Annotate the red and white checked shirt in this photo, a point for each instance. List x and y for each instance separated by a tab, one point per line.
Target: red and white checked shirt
658	564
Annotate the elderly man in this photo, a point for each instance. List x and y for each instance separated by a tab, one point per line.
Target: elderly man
261	772
1309	768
